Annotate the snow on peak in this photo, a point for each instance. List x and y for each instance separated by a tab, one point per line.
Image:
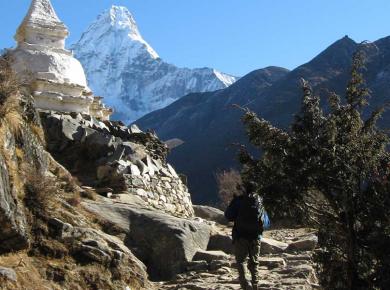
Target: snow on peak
226	79
115	30
121	18
123	68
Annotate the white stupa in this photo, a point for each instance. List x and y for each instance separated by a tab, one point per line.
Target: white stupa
57	79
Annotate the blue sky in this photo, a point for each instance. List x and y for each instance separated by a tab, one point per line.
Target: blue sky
235	36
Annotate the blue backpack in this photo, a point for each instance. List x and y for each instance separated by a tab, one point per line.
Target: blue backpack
265	219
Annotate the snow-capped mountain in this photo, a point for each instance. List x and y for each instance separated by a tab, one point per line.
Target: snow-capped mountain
123	68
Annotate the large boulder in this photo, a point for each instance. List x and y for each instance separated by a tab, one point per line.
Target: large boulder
209	256
102	144
271	246
13	233
222	242
91	246
210	213
7	274
308	243
164	243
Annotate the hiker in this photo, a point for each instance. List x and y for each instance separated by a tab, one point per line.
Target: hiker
248	214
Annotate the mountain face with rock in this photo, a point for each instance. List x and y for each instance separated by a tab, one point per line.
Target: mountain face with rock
208	124
122	67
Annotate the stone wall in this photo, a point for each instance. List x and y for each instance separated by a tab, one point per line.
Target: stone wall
117	160
160	187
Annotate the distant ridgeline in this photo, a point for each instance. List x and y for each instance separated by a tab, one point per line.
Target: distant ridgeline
208	124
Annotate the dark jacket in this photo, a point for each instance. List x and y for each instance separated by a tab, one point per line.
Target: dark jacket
231	214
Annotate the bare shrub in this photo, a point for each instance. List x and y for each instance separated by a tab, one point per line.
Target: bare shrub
40	189
69	183
75	200
229	184
89	194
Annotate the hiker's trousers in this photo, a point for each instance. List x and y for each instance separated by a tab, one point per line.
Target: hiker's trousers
247	249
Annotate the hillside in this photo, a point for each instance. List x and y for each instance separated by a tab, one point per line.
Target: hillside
208	124
61	228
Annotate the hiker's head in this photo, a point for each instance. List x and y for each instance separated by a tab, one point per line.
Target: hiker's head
250	187
240	189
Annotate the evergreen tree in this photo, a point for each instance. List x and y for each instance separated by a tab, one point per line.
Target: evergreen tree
333	169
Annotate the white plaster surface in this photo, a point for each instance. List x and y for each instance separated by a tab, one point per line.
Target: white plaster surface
56	77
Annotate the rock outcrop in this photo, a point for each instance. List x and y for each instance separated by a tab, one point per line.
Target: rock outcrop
14	229
46	240
120	160
56	228
93	246
163	242
13	232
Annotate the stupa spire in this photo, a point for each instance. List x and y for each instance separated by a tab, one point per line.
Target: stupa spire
41	25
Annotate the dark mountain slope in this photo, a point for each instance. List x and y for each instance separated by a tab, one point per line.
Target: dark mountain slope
208	123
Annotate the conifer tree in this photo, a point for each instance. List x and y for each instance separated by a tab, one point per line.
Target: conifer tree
333	169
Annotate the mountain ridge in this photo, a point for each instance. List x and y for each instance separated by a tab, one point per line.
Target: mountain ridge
130	74
210	148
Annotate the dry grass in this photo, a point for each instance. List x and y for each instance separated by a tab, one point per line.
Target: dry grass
19	154
9	97
68	182
42	272
9	85
28	275
39	133
10	114
229	183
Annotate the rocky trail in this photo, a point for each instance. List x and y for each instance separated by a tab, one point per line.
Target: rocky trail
285	263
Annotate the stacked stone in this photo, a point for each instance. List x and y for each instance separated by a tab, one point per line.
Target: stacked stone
160	186
125	160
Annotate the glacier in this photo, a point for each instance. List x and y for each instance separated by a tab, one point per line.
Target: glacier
124	69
